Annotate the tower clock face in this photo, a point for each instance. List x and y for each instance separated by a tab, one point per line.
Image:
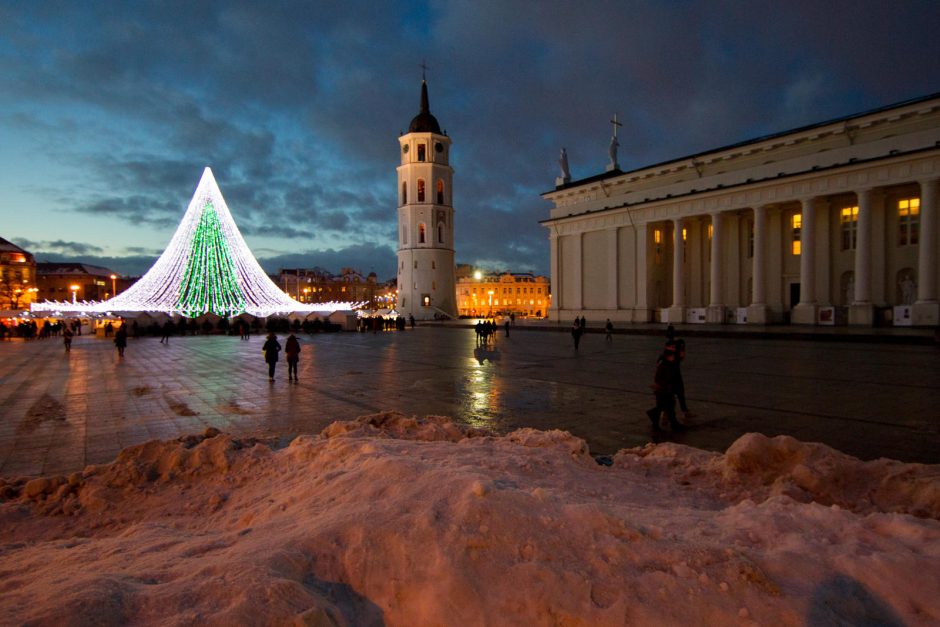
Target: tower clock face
404	149
439	147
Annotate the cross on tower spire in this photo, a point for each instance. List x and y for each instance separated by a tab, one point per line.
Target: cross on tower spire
424	68
615	124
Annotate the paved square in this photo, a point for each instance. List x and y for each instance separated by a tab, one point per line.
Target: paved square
59	412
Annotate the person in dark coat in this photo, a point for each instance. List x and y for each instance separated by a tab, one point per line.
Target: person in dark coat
664	386
270	349
292	350
67	338
120	340
679	344
576	332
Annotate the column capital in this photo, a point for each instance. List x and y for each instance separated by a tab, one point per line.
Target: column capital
929	180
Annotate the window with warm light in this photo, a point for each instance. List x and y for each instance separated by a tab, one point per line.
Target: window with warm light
796	225
658	248
421	233
420	190
848	223
908	221
440	192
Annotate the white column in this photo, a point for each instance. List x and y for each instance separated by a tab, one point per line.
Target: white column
641	311
926	310
863	249
577	256
927	243
805	311
678	275
676	312
554	275
715	313
759	279
808	253
757	310
613	270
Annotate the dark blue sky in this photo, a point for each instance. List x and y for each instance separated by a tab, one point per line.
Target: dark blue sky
110	110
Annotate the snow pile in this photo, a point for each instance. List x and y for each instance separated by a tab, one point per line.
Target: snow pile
396	520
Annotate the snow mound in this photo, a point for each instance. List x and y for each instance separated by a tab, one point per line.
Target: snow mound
758	468
397	520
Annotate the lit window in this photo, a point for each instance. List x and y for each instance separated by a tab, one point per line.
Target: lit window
848	221
421	231
908	221
658	249
420	190
657	236
685	234
797	226
440	192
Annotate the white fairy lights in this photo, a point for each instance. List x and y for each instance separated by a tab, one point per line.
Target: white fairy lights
206	268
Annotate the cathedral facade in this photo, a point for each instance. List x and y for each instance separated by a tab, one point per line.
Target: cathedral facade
426	271
827	224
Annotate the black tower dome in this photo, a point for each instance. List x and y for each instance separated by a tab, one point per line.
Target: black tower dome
424	122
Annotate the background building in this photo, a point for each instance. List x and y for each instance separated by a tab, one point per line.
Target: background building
58	281
317	285
830	222
17	277
426	283
500	294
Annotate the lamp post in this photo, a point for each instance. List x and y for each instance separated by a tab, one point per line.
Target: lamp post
74	289
113	285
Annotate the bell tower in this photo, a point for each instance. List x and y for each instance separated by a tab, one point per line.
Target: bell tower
426	279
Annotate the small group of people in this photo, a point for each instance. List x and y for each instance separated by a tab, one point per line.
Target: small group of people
668	385
485	329
271	350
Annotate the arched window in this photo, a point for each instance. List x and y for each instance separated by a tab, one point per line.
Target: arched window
421	237
404	192
404	235
440	192
420	190
440	233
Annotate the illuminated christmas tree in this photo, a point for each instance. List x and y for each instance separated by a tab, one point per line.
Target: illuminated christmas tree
206	268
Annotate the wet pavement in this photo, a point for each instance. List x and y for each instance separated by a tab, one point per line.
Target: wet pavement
59	412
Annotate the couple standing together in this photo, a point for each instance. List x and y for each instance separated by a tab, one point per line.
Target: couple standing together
271	349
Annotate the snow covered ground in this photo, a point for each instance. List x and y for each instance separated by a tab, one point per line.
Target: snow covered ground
394	520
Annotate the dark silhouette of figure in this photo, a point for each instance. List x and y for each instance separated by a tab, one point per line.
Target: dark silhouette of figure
576	332
583	324
270	349
411	320
135	330
67	338
120	339
664	386
609	327
512	318
506	326
292	350
679	344
108	329
167	329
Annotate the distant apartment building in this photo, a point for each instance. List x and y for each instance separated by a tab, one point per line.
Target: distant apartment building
315	285
17	276
68	281
500	294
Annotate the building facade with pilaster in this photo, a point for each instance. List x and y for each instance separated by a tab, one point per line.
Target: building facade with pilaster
827	224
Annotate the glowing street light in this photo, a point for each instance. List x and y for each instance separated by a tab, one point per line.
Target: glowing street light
477	275
113	285
74	289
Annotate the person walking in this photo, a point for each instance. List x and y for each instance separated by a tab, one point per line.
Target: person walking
679	344
292	350
67	338
167	328
664	387
120	340
576	333
609	327
270	349
506	326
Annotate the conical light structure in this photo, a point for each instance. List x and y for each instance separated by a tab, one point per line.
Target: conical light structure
206	268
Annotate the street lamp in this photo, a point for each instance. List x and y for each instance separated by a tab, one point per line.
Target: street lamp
113	285
74	289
